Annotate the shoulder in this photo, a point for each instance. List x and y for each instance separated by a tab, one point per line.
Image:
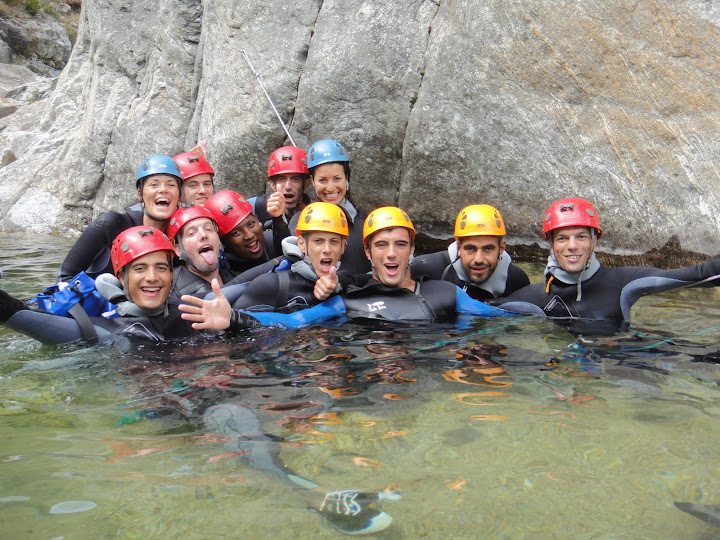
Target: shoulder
430	264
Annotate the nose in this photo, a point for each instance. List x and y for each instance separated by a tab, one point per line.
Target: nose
151	274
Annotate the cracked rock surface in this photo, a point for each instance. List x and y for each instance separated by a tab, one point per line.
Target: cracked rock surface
439	103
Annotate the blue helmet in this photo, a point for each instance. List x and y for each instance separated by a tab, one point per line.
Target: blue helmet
157	164
326	151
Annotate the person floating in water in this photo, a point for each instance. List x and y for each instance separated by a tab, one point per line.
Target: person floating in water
582	292
142	261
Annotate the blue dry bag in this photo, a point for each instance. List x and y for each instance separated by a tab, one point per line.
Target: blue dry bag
80	289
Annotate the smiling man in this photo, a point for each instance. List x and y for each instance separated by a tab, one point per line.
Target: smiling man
587	296
241	233
197	178
477	261
193	231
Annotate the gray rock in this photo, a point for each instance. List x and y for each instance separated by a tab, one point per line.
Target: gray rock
440	104
42	41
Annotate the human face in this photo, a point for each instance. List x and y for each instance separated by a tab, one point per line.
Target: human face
197	189
330	182
246	240
292	187
389	253
324	250
149	279
479	256
572	247
200	239
160	194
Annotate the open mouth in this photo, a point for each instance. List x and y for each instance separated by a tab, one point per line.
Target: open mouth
392	268
325	265
253	247
208	254
331	195
151	291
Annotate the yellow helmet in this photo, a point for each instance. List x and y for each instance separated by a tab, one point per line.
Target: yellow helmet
387	217
479	220
322	217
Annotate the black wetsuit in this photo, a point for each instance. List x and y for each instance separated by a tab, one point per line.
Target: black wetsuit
431	301
285	291
91	251
353	259
186	282
439	266
55	329
607	295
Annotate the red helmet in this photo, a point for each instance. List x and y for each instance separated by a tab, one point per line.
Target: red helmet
287	160
229	209
192	164
136	242
571	213
181	216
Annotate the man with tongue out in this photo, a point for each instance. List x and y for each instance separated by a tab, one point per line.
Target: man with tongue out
193	231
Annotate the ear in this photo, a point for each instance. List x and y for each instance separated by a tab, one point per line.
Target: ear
176	247
121	276
139	192
503	245
301	245
367	252
342	246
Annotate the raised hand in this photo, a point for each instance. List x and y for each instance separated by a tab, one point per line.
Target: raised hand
207	314
276	204
326	284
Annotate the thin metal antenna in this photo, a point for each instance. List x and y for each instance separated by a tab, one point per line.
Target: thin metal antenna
262	85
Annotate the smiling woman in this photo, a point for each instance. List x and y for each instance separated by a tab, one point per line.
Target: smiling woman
158	190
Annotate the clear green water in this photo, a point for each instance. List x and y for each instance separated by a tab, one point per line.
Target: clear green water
496	430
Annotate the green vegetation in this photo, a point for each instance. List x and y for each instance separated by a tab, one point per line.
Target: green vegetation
32	6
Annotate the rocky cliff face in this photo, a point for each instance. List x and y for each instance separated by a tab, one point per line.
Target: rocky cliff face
440	104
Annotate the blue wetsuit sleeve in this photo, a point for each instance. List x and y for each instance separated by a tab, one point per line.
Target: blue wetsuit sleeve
330	308
252	200
469	306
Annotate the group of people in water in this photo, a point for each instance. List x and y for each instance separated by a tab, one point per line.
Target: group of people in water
188	258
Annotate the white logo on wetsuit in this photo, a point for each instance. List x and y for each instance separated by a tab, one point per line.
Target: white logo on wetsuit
554	302
376	306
